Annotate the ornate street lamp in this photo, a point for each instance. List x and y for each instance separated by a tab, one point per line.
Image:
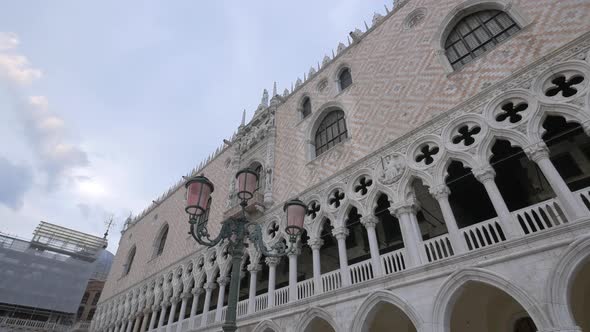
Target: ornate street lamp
236	230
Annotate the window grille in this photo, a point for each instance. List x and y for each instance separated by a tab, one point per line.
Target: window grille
306	108
476	34
332	130
345	79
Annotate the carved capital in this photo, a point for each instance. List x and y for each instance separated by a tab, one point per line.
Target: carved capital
197	291
315	244
254	267
403	208
210	286
484	174
185	295
272	261
440	192
369	221
537	151
222	281
340	232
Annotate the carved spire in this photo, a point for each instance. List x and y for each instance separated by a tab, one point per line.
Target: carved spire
264	99
243	118
274	89
341	47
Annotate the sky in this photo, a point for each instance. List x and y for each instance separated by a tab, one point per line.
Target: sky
105	104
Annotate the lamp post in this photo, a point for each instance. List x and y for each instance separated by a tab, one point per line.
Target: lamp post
236	230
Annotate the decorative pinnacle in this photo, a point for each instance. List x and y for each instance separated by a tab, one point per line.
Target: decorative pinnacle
243	118
274	89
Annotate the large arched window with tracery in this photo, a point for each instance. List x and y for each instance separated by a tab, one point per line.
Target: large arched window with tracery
331	131
477	33
161	241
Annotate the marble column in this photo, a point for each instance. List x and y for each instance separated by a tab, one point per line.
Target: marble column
220	297
441	194
196	295
406	216
252	291
370	223
272	279
173	305
153	318
144	322
162	314
572	205
340	234
315	245
184	296
486	176
209	287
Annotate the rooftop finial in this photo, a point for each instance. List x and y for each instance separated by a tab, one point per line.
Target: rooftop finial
274	89
243	118
264	100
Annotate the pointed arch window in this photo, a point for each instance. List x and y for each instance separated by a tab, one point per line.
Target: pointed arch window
128	264
161	244
331	131
477	33
305	108
345	79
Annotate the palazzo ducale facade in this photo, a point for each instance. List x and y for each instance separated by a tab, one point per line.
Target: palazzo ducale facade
443	153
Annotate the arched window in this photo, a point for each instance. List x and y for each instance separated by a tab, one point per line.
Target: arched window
331	131
259	179
477	33
305	107
162	241
129	263
345	78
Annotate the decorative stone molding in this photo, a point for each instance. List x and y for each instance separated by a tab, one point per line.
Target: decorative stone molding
484	173
440	192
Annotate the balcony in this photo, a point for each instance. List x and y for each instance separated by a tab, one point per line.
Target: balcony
489	234
254	205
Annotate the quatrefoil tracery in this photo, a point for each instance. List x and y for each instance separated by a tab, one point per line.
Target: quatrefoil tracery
427	154
466	135
564	85
511	112
363	185
313	209
336	198
273	230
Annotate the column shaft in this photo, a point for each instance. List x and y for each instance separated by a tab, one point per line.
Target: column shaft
220	299
292	278
441	194
374	248
152	320
252	292
162	316
317	270
272	276
206	306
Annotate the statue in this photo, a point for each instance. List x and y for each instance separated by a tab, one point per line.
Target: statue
392	169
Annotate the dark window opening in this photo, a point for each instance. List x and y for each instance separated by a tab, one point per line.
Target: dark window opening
306	107
525	324
330	260
162	241
345	78
331	131
469	200
429	215
357	241
477	33
389	235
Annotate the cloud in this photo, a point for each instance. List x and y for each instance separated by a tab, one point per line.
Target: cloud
15	181
46	131
15	67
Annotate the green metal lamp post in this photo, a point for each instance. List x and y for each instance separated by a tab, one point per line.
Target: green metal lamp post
236	230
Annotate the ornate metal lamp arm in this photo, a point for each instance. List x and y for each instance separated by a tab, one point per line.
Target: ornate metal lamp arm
201	234
255	236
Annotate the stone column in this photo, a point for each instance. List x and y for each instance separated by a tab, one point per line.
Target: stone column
162	314
340	234
272	276
406	215
208	288
144	322
486	175
174	303
252	291
572	205
315	245
441	194
370	222
124	326
153	318
184	296
137	323
220	297
196	295
292	277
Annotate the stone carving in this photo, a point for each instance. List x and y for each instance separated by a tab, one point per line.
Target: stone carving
268	179
392	169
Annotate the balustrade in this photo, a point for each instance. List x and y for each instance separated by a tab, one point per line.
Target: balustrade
438	248
584	195
331	281
394	261
361	272
242	308
483	234
540	216
282	296
305	289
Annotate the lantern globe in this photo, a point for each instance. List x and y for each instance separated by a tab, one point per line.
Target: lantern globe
295	210
198	192
246	184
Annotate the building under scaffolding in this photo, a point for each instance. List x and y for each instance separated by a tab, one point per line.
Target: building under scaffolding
42	281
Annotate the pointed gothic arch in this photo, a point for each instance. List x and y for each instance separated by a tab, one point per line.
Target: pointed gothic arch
267	326
371	303
452	287
315	313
